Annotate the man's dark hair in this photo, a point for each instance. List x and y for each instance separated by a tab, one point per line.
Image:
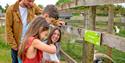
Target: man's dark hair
52	11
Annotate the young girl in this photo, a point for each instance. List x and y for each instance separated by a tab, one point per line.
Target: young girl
32	48
54	38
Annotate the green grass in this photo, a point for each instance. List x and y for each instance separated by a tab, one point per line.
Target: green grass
71	48
2	30
122	33
117	55
5	55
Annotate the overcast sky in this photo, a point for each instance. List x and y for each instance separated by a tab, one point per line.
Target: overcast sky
42	2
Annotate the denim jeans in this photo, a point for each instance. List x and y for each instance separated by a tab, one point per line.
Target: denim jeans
14	56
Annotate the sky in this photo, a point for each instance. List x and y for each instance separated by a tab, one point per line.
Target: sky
42	2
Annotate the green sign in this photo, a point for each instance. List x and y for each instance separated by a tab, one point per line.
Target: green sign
92	37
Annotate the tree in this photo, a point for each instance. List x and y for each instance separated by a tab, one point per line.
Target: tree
62	1
2	9
120	9
41	6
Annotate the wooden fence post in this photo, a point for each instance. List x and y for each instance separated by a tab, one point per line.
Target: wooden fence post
85	21
88	49
110	29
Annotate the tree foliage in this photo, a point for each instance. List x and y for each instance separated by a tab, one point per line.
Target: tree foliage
62	1
1	8
41	6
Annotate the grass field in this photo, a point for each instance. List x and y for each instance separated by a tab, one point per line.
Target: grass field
5	56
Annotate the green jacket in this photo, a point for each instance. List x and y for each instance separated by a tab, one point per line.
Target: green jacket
14	23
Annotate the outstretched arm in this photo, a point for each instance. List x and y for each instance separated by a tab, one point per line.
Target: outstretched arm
44	47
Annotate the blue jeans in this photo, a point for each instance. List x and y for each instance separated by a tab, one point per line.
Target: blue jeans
14	56
19	60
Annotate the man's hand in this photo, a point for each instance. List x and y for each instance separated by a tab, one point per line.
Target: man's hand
15	49
61	23
58	23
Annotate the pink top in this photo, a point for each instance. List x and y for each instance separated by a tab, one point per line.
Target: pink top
37	58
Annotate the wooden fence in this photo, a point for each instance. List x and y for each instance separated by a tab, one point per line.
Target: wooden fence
2	21
108	38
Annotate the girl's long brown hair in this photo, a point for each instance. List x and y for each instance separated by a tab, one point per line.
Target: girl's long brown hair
51	33
38	25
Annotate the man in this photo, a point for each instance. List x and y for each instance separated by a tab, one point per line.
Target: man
18	16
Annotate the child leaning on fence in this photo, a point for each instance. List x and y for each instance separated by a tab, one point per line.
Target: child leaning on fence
31	49
53	38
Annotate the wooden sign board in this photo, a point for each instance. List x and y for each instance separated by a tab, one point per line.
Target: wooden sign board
93	37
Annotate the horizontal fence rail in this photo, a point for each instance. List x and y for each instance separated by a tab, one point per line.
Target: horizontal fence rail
67	57
110	40
76	3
